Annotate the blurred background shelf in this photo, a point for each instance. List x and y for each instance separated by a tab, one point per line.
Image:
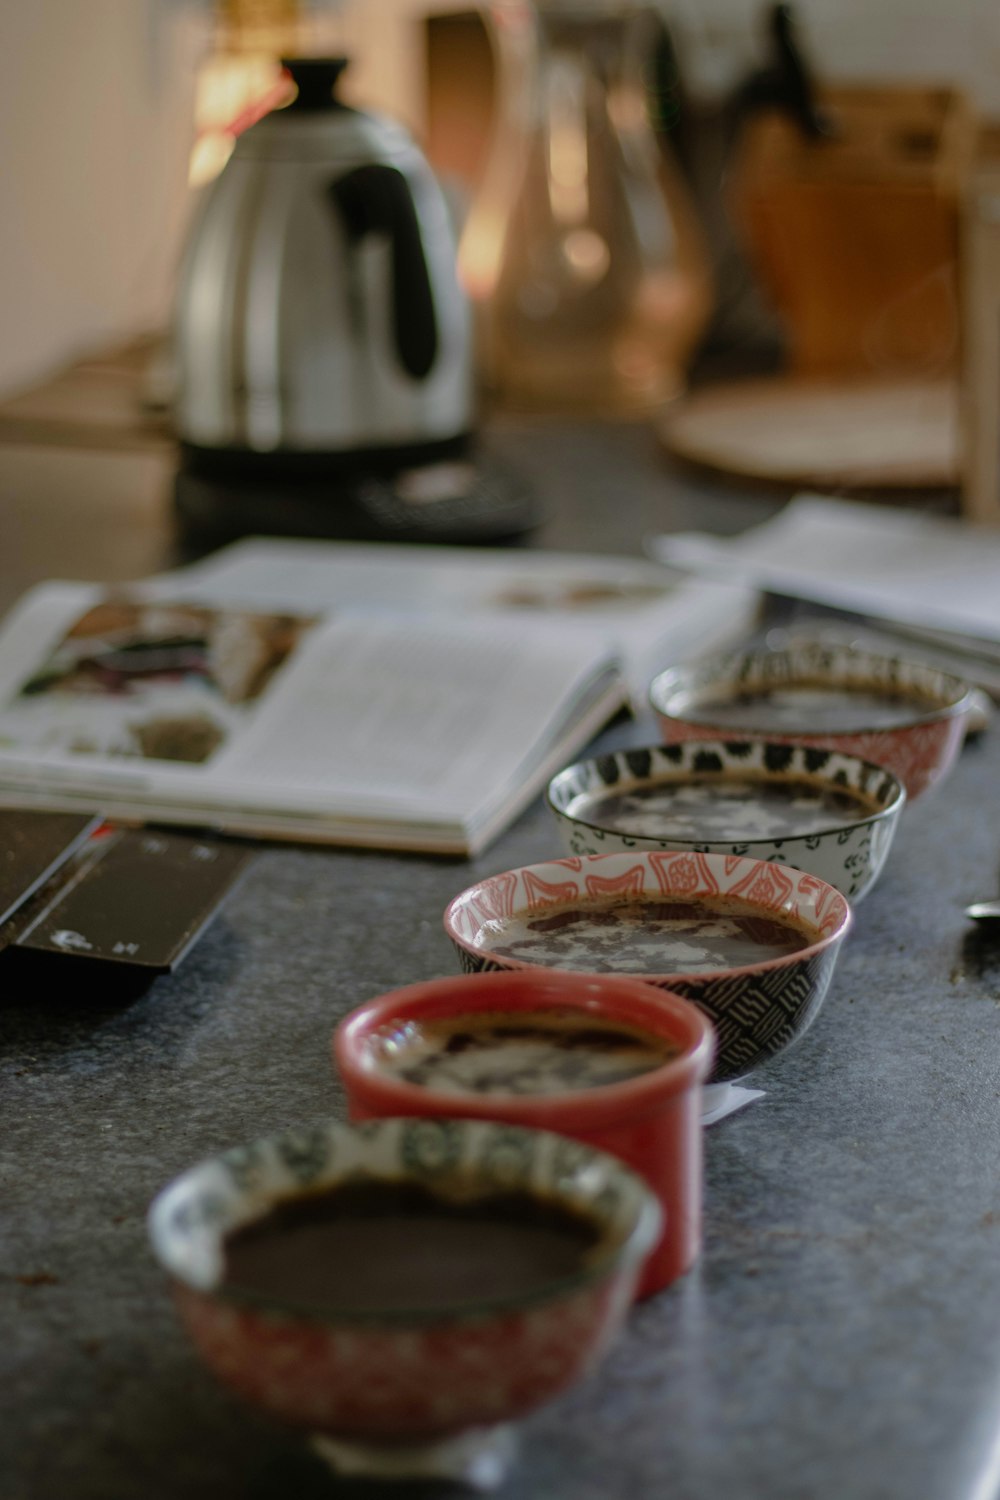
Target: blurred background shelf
825	433
101	401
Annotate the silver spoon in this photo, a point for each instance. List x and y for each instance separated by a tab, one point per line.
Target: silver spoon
984	911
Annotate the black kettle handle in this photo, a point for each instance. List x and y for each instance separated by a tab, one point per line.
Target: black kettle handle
785	84
377	199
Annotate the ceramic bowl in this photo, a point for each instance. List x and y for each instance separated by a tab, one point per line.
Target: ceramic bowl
712	800
928	709
758	1009
387	1392
652	1121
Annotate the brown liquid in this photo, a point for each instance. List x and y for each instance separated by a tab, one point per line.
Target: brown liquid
648	937
548	1052
377	1246
804	708
724	808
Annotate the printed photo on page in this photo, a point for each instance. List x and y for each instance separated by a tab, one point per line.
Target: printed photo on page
155	681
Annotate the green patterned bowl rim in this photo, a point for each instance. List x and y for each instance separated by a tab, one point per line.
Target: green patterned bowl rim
189	1219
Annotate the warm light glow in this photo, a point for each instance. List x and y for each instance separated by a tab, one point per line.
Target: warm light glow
480	254
567	144
667	297
209	155
627	111
587	254
232	91
635	361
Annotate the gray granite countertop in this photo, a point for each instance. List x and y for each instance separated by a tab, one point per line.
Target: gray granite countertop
840	1338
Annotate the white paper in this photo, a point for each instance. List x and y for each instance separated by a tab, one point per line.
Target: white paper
426	721
364	720
720	1100
649	616
425	698
892	564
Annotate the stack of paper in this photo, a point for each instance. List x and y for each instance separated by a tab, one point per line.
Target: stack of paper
898	565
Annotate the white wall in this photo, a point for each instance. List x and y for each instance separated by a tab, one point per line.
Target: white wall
864	40
95	131
96	112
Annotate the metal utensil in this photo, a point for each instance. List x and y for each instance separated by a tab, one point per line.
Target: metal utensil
984	911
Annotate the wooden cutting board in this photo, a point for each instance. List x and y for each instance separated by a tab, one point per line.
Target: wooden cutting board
822	431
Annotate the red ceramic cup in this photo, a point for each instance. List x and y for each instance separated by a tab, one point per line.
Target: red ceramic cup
652	1122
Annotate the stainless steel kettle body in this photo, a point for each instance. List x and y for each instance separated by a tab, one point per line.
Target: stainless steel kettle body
319	313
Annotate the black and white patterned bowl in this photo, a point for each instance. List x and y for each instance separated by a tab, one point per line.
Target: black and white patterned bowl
847	851
758	1009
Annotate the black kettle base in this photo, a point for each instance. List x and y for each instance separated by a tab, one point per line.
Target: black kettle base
467	502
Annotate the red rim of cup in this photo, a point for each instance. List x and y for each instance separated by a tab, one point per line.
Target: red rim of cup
611	997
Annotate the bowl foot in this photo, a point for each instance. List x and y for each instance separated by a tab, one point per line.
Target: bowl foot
481	1457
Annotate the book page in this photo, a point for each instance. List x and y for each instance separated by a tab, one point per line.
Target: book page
174	703
568	586
427	717
34	626
92	678
651	616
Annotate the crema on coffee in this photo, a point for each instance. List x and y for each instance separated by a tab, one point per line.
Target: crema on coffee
723	808
646	936
804	708
518	1052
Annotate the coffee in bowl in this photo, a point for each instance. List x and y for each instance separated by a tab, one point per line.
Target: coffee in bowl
338	1252
650	936
724	807
379	1285
517	1052
752	942
815	707
824	812
608	1061
894	711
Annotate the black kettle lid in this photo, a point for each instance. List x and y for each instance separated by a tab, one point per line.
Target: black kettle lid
315	78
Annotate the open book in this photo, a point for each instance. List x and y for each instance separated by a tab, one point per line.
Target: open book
399	697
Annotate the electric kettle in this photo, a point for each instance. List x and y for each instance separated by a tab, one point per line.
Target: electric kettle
318	316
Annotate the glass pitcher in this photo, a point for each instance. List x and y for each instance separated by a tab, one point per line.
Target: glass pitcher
581	252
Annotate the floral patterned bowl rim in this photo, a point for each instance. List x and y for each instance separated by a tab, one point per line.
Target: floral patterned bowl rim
189	1219
832	919
839	665
666	763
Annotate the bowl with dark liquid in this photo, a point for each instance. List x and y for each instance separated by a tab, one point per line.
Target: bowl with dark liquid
753	943
378	1285
830	814
605	1060
891	710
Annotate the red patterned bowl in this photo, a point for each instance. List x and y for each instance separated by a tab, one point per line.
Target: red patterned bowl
758	1008
907	717
381	1387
